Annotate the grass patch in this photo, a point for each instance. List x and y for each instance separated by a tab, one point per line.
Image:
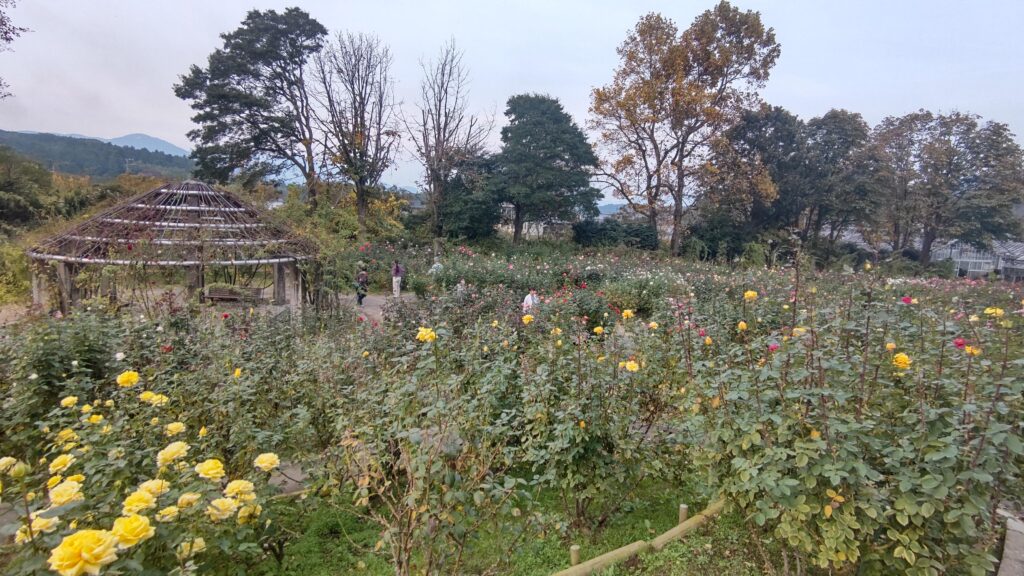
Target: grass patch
332	540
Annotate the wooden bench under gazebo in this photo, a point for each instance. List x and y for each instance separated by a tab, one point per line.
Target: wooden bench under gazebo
187	226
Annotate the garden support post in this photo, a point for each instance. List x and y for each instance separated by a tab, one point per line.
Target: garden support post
684	513
195	281
574	554
38	287
66	285
280	293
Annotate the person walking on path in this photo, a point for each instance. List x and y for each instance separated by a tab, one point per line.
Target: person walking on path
397	272
362	283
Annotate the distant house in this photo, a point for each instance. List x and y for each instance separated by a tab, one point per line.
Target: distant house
1005	258
532	230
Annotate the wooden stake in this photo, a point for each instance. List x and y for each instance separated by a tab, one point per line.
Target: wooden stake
574	554
684	513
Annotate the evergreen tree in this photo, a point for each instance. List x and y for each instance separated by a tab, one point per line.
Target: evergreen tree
544	167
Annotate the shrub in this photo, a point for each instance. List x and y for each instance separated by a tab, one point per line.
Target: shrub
612	232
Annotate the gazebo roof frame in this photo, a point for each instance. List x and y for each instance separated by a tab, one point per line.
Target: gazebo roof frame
184	224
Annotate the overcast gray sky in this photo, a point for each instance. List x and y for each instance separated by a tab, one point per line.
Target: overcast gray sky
105	67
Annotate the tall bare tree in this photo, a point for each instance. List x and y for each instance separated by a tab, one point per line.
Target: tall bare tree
8	32
442	131
355	90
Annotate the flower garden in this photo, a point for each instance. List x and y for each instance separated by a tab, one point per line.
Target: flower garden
853	423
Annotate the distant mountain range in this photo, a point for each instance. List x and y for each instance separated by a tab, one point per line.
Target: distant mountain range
135	140
610	208
75	154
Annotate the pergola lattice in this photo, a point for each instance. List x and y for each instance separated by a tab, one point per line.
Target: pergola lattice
190	225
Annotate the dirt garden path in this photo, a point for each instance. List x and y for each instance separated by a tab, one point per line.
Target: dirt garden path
373	305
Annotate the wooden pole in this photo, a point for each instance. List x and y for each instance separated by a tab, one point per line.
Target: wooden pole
620	554
684	513
574	554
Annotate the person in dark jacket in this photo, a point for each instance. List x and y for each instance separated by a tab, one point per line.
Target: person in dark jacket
362	284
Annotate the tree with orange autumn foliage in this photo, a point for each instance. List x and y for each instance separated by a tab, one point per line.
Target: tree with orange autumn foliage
672	95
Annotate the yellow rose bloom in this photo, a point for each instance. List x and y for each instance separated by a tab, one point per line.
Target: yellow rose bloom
69	401
599	330
66	492
172	452
556	331
5	464
426	334
159	400
84	552
137	502
127	379
240	490
188	499
527	318
627	314
147	396
247	513
708	341
77	478
190	548
203	432
238	372
815	435
267	461
221	509
95	419
750	295
130	530
972	350
66	435
61	463
994	312
632	366
168	514
890	346
44	525
53	481
901	361
653	325
174	428
211	469
741	326
156	487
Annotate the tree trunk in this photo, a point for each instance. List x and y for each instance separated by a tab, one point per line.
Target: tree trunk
434	193
362	206
517	225
677	227
677	211
311	191
652	220
927	239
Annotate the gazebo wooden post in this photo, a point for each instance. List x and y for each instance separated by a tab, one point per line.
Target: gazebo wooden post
66	284
280	291
196	280
38	285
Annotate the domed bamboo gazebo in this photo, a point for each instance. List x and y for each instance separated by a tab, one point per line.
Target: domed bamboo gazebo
189	226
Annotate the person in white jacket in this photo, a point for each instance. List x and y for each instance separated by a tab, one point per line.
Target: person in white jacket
531	300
